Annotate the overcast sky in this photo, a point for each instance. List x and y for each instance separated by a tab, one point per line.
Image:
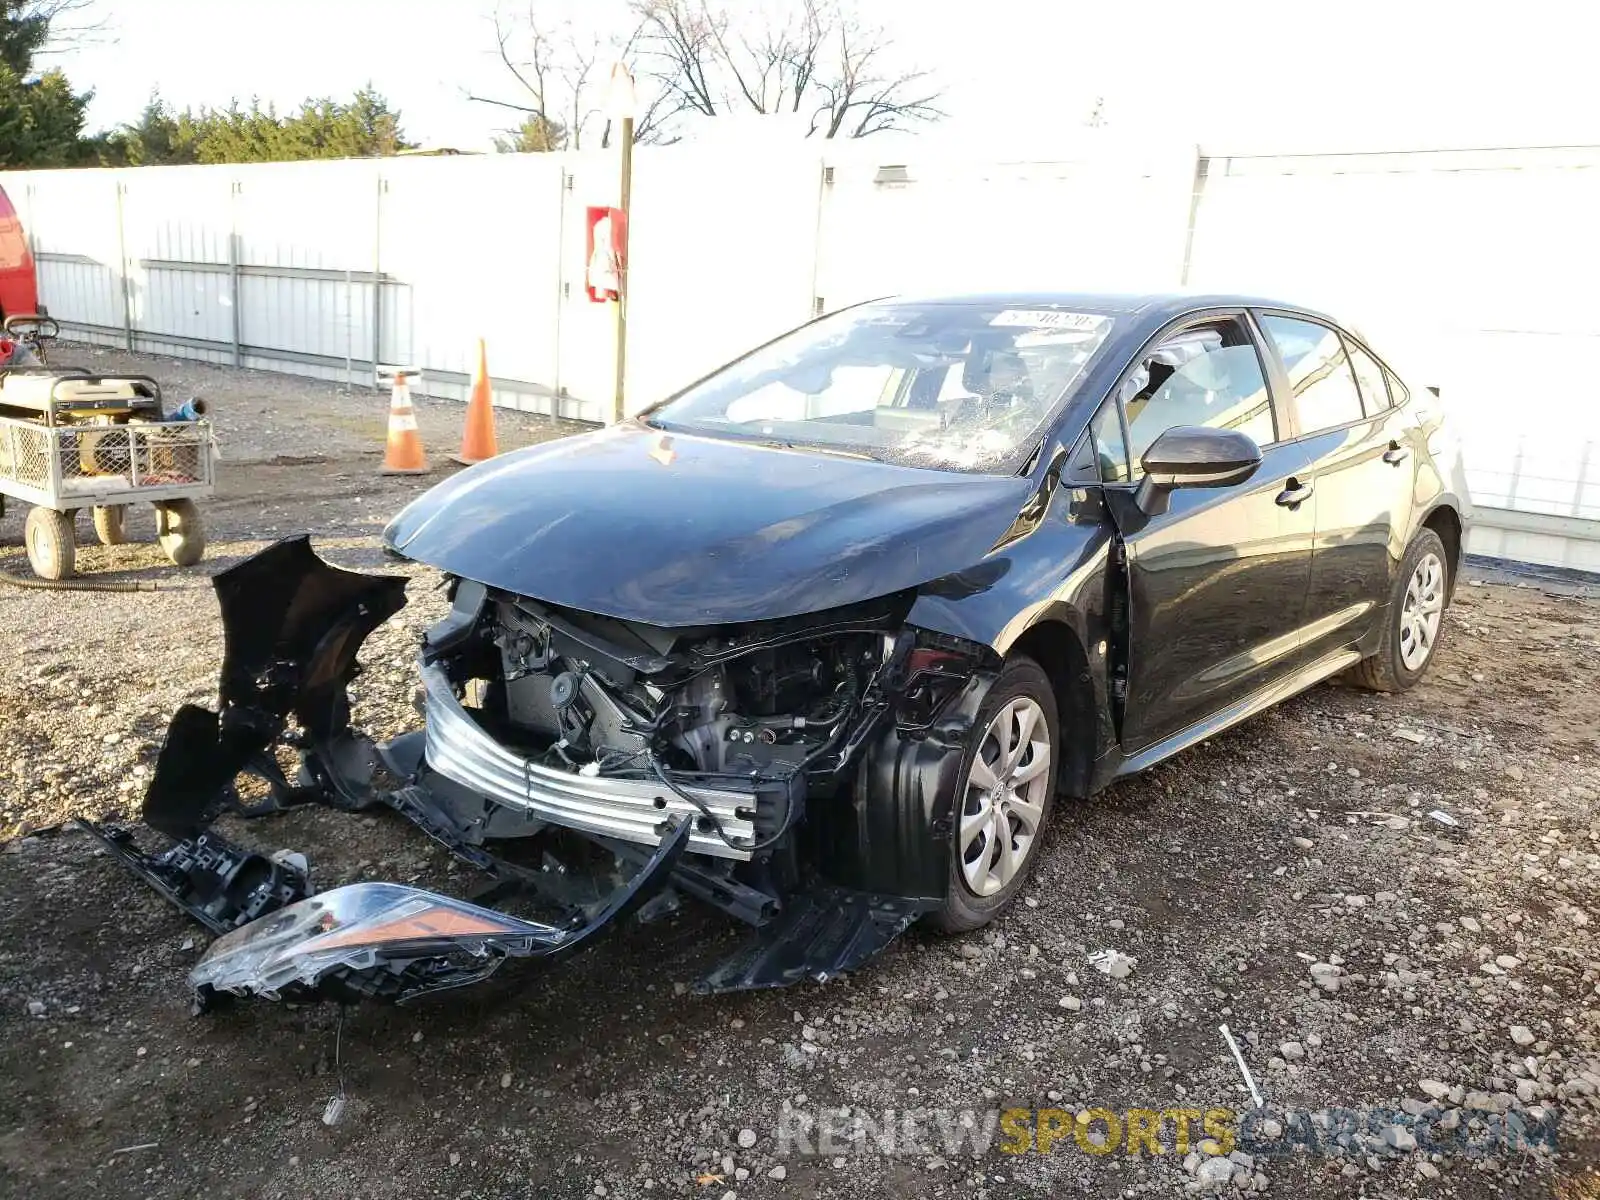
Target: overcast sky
1282	75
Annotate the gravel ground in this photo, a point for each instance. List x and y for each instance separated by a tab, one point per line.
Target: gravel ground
1284	879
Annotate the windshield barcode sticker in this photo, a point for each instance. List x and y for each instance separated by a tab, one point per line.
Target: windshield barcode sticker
1048	318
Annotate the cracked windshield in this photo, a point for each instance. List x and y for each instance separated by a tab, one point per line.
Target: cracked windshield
953	387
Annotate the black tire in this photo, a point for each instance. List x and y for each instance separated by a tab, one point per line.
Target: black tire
51	542
180	531
1387	670
964	908
110	524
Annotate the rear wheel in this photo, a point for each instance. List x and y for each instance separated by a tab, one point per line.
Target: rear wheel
180	531
51	542
110	524
1003	804
1415	619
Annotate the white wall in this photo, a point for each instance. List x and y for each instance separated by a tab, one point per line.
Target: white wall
1100	221
1474	269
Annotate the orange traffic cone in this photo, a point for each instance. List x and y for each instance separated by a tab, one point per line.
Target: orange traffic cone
477	439
403	454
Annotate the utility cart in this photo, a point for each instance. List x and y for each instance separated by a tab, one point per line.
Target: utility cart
70	439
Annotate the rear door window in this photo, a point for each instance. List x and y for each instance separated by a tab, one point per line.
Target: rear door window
1397	390
1320	376
1369	374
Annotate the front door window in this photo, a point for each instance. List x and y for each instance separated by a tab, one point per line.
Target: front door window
1210	375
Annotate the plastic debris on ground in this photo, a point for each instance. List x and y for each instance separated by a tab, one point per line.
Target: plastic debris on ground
1113	963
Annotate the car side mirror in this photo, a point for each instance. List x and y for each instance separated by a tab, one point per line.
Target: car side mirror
1188	456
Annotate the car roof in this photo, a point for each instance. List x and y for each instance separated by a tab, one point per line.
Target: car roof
1156	307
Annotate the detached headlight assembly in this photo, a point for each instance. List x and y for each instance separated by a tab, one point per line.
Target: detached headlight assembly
360	927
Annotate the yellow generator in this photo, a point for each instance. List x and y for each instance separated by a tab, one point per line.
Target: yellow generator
70	440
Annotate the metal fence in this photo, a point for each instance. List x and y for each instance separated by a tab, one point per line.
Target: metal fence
284	268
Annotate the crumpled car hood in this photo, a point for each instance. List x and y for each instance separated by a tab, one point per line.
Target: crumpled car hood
673	530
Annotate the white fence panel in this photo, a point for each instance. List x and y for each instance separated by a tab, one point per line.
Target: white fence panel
308	250
71	217
941	224
470	249
177	229
722	255
586	331
1474	271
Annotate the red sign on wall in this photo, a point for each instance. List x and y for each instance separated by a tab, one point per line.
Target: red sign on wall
605	253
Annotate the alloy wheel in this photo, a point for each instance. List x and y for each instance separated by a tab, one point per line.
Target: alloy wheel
1421	612
1002	805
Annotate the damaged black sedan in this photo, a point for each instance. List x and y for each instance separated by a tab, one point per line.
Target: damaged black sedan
820	641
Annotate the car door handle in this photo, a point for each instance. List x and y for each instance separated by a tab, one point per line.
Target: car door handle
1295	494
1396	454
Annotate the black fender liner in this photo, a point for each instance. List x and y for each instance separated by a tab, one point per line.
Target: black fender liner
890	833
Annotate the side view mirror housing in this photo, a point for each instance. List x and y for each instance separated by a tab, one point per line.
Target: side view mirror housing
1194	456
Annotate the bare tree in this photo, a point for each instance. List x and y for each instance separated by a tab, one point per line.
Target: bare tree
865	92
561	72
821	60
707	58
71	23
30	29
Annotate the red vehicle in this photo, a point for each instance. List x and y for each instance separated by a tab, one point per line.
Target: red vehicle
19	289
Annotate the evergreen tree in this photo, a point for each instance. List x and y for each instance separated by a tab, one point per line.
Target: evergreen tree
41	117
366	127
537	134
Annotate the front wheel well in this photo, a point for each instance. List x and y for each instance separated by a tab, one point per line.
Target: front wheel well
1056	648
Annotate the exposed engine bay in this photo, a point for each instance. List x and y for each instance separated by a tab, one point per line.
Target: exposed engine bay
638	764
756	716
774	710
